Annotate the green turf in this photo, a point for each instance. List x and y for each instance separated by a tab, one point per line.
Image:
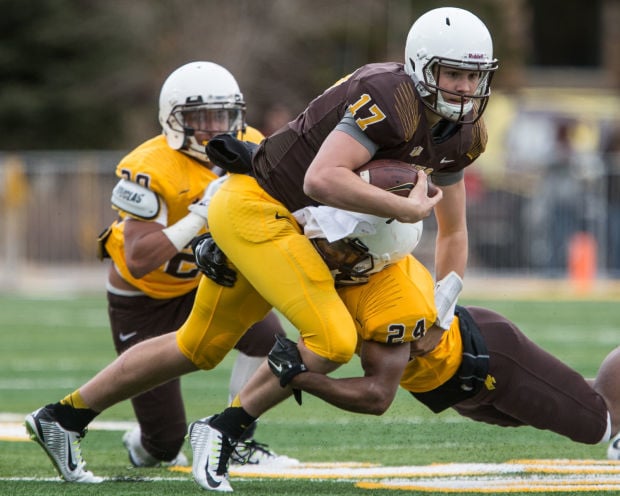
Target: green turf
50	346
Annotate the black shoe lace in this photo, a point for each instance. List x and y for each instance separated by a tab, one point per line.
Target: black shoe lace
245	450
226	454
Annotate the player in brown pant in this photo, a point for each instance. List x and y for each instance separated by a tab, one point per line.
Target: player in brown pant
516	382
152	279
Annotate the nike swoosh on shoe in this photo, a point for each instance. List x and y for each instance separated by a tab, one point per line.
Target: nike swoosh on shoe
72	465
210	480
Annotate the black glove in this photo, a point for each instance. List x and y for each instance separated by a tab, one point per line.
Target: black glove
285	362
212	261
231	154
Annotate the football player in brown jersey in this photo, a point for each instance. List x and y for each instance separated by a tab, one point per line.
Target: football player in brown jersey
425	112
152	280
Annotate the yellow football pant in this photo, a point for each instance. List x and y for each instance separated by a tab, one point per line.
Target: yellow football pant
277	266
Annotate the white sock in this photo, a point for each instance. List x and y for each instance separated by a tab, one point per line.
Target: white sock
243	368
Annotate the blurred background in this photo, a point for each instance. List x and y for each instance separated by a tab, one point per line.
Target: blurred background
79	87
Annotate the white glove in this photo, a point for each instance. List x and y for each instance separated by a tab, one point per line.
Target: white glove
446	293
201	207
183	231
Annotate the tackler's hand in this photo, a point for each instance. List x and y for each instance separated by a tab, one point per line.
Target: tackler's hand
201	207
285	362
212	261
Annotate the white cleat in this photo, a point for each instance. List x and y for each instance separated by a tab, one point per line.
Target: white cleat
139	457
613	450
62	446
211	454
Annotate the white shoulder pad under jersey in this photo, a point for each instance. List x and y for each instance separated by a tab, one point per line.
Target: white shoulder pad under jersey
136	200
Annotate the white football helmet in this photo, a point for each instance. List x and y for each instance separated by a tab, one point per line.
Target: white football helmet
354	258
453	38
199	97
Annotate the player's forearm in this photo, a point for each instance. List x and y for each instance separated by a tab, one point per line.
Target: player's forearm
359	394
149	253
451	248
451	255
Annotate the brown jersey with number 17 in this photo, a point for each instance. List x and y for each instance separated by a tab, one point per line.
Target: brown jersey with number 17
388	110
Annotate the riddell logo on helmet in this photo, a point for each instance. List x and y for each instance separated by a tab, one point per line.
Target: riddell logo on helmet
476	56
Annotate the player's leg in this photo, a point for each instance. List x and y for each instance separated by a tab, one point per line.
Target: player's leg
59	427
606	383
159	437
533	387
226	314
243	368
253	348
160	412
265	243
140	368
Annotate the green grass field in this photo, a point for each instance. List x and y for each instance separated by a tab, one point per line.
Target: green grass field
51	346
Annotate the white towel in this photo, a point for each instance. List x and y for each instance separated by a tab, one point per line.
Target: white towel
334	224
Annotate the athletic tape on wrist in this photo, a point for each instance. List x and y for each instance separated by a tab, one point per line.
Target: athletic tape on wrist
447	292
182	232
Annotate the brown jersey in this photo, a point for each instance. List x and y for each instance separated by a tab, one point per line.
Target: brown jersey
387	108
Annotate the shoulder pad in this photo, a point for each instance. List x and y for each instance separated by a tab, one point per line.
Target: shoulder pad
136	200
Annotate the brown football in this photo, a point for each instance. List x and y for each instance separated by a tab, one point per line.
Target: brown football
392	175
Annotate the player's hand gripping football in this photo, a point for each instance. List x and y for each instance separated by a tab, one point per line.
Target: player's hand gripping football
423	204
212	261
285	362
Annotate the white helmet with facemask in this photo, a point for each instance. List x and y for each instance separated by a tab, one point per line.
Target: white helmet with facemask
207	92
381	243
456	39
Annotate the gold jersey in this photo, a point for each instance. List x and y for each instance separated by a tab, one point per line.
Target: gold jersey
179	180
397	305
427	372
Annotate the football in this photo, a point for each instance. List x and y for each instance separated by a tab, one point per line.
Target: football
392	175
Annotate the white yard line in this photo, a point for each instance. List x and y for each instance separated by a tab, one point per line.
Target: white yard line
12	427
